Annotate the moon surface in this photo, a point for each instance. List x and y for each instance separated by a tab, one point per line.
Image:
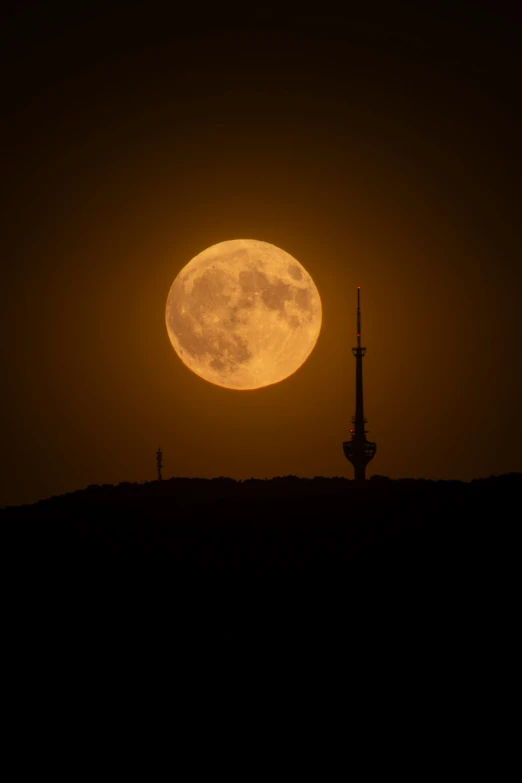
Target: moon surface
243	314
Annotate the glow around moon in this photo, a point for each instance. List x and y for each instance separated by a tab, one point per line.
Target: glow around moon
243	314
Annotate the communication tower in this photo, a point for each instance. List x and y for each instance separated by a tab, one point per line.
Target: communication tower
359	451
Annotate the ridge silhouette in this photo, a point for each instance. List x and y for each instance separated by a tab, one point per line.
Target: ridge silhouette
317	564
320	528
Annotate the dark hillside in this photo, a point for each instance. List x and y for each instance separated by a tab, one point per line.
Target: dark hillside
288	530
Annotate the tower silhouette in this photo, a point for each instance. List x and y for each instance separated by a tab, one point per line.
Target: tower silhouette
159	463
358	450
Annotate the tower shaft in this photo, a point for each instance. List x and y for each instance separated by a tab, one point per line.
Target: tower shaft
359	451
358	419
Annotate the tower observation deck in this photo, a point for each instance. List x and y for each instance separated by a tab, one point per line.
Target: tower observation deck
359	451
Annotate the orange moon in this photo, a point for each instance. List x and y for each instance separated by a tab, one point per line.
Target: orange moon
243	314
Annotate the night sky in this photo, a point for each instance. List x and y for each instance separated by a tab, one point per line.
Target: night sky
380	146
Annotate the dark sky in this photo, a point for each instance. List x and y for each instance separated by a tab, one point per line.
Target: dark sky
380	146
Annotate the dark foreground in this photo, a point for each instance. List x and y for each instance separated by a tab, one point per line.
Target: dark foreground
194	539
286	580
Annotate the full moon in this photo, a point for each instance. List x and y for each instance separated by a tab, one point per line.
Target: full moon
243	314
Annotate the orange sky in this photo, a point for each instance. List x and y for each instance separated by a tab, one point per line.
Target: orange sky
383	154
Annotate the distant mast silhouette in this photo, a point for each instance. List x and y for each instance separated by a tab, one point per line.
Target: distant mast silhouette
159	463
358	450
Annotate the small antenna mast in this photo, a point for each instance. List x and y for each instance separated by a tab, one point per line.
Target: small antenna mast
159	463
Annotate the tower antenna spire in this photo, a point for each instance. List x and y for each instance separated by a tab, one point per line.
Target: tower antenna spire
359	451
358	316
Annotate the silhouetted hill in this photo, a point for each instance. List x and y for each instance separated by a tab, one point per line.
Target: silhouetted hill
408	581
284	527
